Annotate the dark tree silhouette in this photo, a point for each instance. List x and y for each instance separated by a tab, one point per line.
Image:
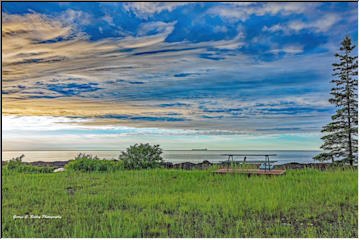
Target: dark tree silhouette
340	135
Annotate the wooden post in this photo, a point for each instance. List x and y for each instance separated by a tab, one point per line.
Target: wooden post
228	166
267	158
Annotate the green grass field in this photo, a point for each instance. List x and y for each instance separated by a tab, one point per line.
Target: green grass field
176	203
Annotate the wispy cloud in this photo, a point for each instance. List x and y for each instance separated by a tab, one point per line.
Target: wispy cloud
147	9
222	68
322	24
242	11
49	133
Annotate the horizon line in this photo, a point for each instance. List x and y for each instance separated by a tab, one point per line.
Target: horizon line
195	150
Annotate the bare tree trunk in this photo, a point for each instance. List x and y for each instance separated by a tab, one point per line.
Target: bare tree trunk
348	113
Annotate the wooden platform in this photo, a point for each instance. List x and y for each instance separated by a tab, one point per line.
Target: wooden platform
250	171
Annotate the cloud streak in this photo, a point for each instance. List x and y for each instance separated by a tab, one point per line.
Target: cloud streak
232	69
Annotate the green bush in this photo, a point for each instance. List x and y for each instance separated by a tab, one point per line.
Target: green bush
88	163
16	164
142	156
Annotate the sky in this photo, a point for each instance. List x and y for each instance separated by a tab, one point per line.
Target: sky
101	76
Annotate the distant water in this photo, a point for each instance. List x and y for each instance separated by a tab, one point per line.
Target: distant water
174	156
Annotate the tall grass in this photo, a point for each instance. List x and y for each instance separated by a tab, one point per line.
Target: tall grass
177	203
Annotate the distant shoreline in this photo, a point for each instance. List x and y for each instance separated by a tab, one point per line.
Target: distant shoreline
163	150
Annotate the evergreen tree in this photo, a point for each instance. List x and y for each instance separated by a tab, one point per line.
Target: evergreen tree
340	135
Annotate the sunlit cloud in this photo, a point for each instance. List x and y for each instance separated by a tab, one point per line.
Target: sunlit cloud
48	133
227	72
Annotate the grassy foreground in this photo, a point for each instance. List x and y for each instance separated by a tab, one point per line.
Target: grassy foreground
176	203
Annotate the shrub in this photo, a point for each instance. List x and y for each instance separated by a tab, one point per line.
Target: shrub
142	156
17	165
88	163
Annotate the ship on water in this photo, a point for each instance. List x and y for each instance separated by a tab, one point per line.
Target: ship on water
199	149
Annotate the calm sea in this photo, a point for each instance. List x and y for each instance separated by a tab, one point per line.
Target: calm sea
174	156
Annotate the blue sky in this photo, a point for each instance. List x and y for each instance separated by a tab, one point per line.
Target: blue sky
183	75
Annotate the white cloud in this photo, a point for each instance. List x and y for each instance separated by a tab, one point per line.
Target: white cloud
147	9
237	42
19	124
273	28
320	25
289	49
75	17
242	11
220	29
325	23
157	27
282	8
297	26
108	18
